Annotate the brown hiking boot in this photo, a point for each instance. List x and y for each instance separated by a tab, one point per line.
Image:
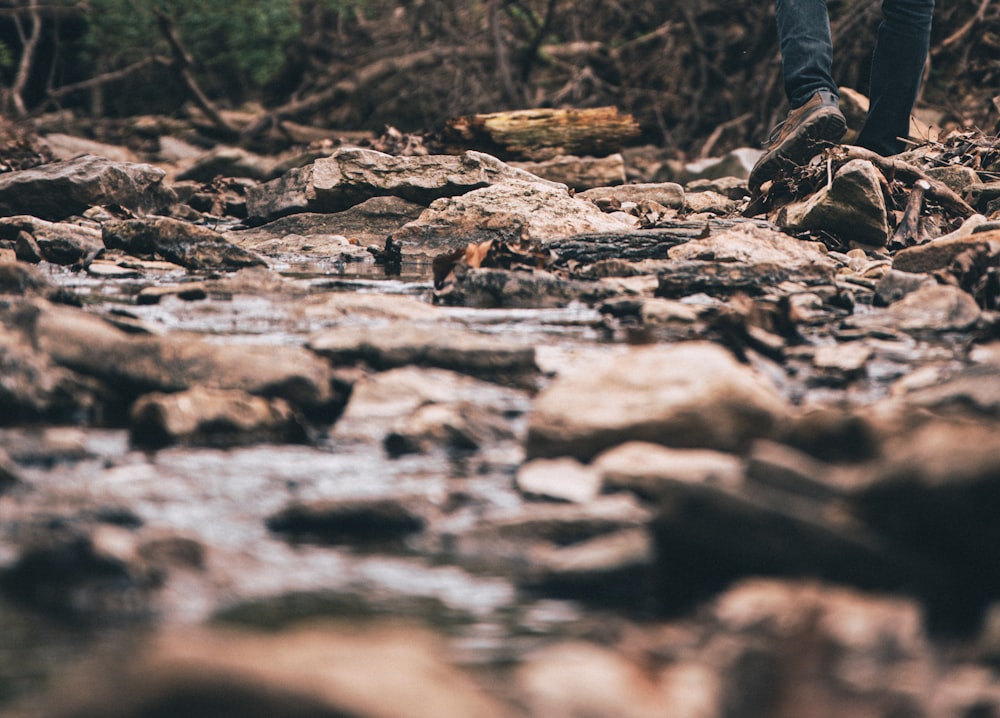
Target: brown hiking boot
797	138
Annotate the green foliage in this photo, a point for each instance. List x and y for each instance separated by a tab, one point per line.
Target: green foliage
236	45
6	56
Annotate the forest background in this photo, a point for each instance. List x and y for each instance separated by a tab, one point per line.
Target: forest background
699	76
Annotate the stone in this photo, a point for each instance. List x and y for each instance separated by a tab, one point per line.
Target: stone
973	390
709	202
940	253
379	402
8	472
852	208
848	359
668	194
347	520
574	678
957	177
500	288
59	190
130	365
511	212
689	395
352	175
183	243
211	417
736	163
896	284
733	188
579	173
561	479
747	257
456	427
652	471
937	308
20	279
368	223
387	345
322	670
56	242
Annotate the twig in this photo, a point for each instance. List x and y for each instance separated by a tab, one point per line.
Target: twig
717	132
27	59
938	191
182	63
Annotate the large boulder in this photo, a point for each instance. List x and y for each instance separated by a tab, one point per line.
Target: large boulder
851	208
353	174
689	395
61	189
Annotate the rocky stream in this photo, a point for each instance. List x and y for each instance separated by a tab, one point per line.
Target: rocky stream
359	434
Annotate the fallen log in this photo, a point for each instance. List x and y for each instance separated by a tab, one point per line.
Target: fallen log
544	133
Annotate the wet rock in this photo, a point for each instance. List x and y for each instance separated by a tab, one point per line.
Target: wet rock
183	243
651	470
318	670
368	223
496	288
131	365
843	652
940	253
746	258
61	189
668	194
19	279
456	427
513	211
895	285
211	417
352	175
8	472
934	493
349	520
852	208
33	389
579	173
59	243
583	679
77	571
974	390
938	308
379	403
691	395
228	162
561	479
396	344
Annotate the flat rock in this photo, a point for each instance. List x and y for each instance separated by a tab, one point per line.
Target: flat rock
401	343
937	308
349	519
689	395
747	257
211	417
314	670
940	253
227	162
183	243
851	208
561	479
669	194
653	471
61	189
352	175
368	223
134	364
56	242
457	427
512	211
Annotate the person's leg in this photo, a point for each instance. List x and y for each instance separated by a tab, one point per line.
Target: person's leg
897	67
806	48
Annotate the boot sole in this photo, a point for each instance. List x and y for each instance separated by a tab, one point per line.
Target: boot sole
826	125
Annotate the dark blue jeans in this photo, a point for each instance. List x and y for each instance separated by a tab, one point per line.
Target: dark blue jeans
897	64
